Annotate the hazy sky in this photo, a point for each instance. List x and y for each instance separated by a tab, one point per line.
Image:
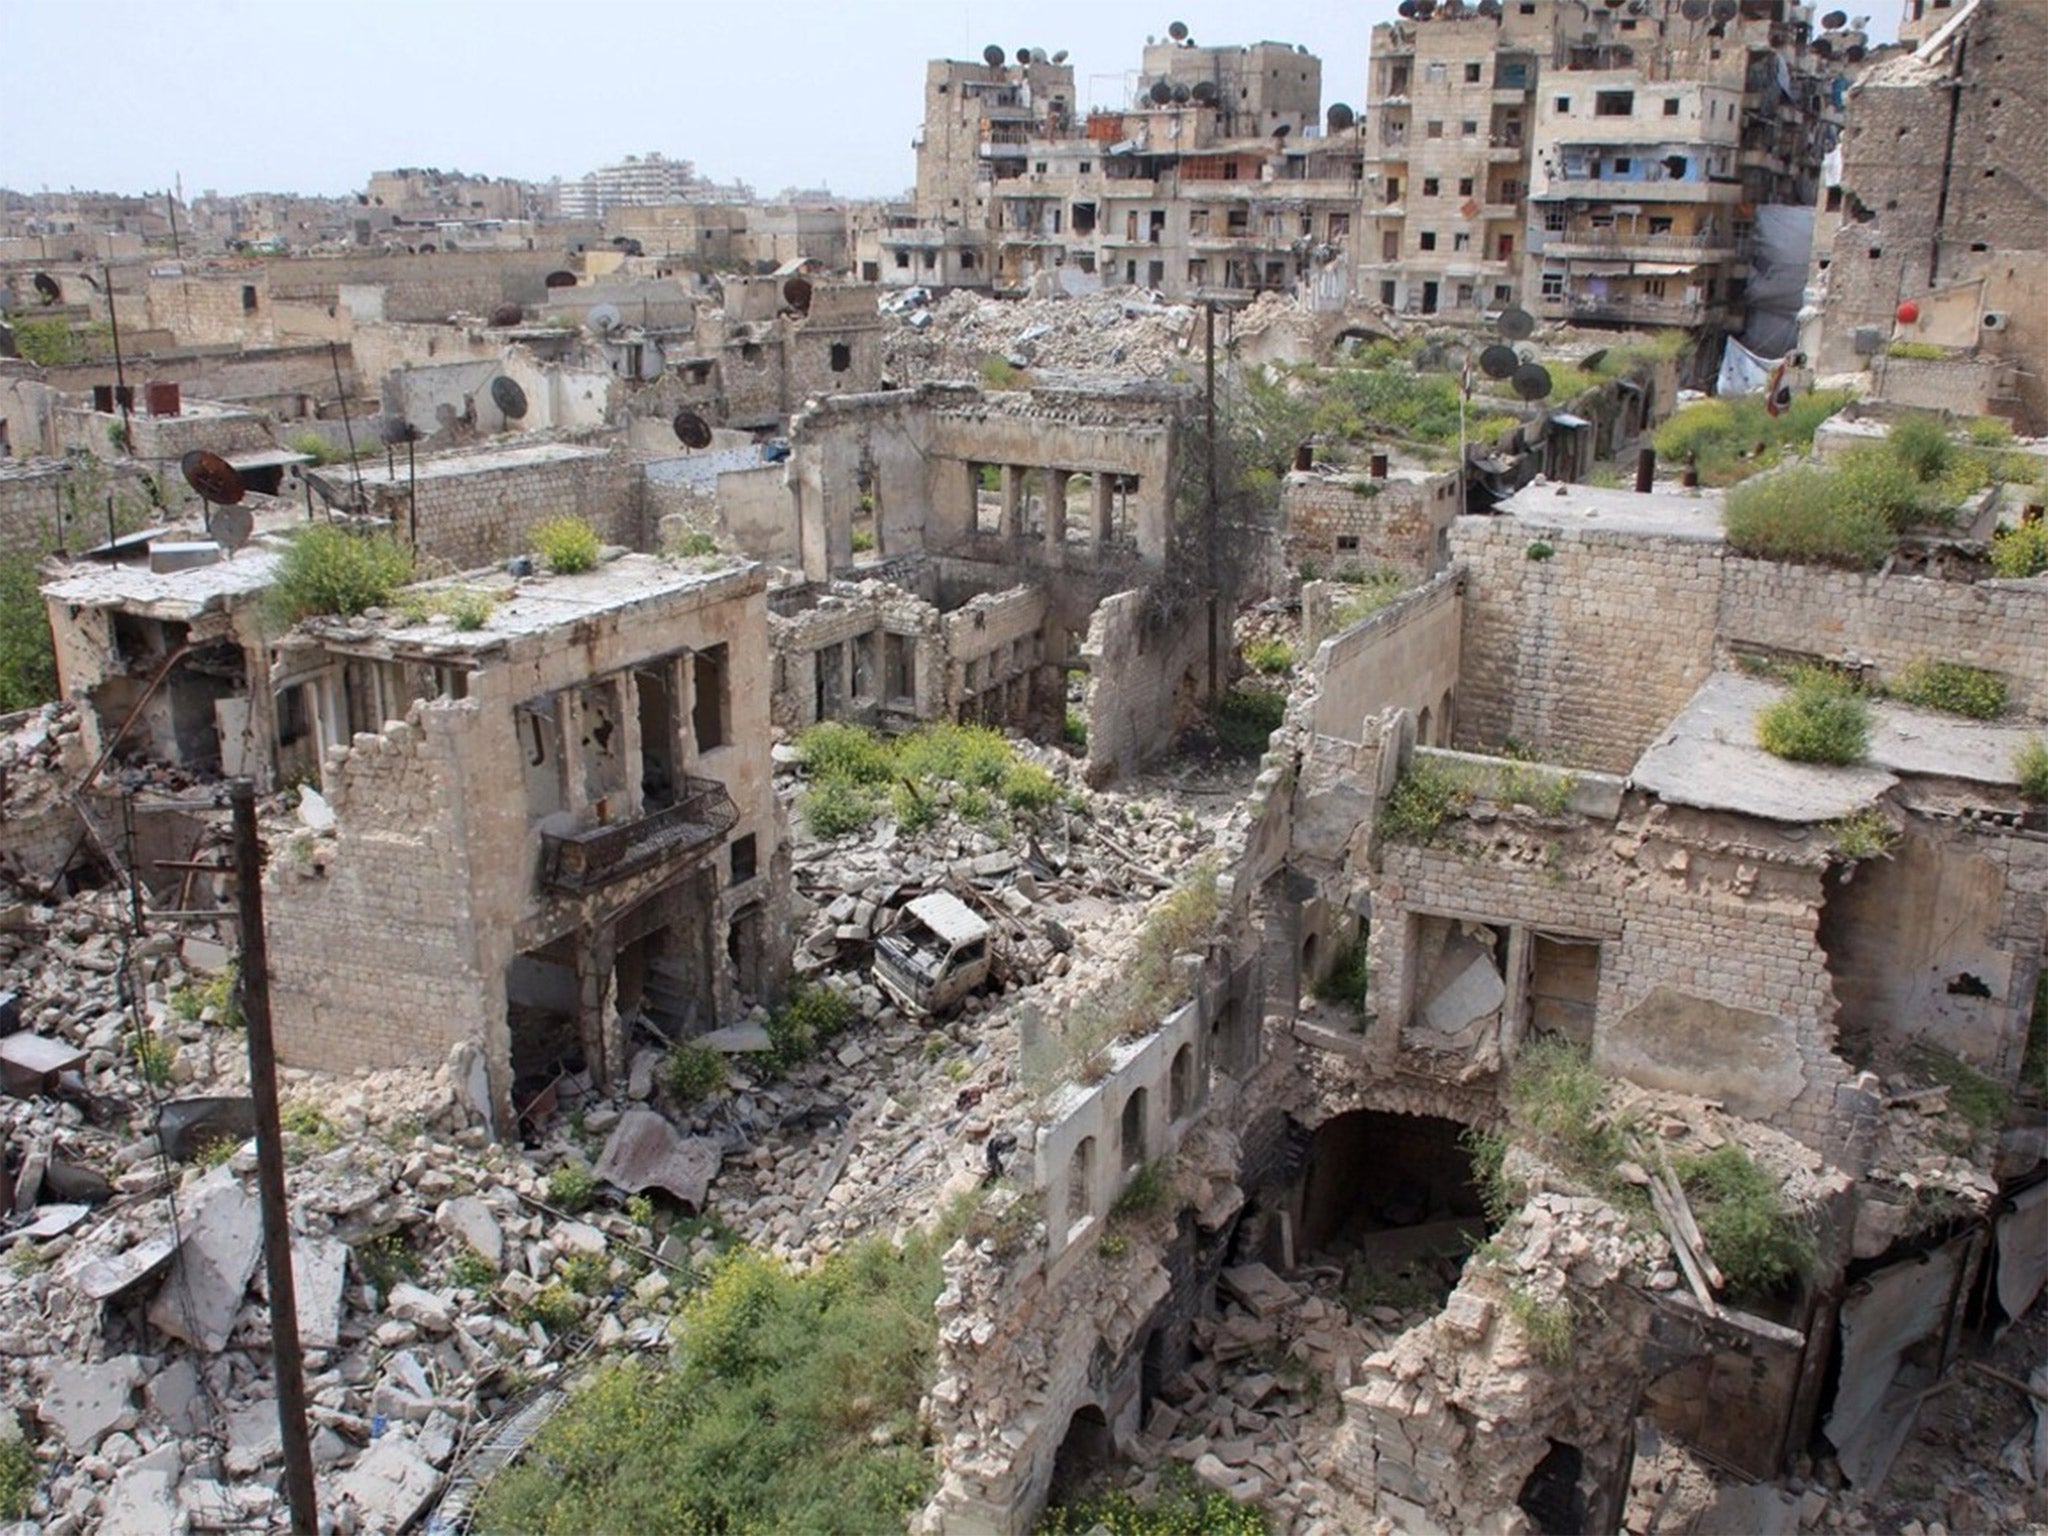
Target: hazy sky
313	95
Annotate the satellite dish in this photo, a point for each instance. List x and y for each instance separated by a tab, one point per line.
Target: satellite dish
1498	361
692	430
1180	95
1854	53
1161	93
1823	49
1724	10
796	293
1531	381
46	287
507	314
1407	9
1517	324
508	397
1060	57
993	56
603	318
213	477
396	430
231	527
1834	21
1283	130
1205	92
1489	8
1339	117
1693	10
559	279
1592	360
1178	31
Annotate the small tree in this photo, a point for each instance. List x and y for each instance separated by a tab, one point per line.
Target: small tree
1820	719
567	545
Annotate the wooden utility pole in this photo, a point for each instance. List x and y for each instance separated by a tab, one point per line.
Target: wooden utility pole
253	981
1209	407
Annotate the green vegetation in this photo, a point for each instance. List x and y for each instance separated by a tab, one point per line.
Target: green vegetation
695	1072
1074	730
863	540
19	1475
1731	439
567	545
304	1120
971	768
315	447
1540	550
152	1055
2034	1062
2030	763
191	1002
1029	788
1916	351
1549	1325
571	1188
1246	719
1803	515
385	1261
54	342
554	1306
1557	1095
1269	656
1500	1195
836	807
813	1015
1368	592
1759	1242
790	1405
1660	347
1821	718
2020	552
1149	1192
465	608
1381	395
472	1271
1428	795
28	664
1350	977
1950	687
1975	1099
328	570
1182	1507
1867	834
694	545
1000	373
1546	791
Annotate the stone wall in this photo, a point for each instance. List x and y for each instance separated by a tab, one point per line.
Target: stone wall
200	308
1584	656
430	287
1405	656
479	508
1146	683
1362	524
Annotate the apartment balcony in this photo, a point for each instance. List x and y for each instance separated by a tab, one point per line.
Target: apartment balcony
1625	309
1004	149
576	863
1630	245
1501	151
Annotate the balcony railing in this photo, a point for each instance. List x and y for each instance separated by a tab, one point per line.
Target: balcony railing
576	862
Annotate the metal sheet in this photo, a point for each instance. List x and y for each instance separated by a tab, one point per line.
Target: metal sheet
2023	1251
1886	1315
646	1152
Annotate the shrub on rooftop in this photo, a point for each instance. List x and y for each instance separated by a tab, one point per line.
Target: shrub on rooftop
1803	514
567	545
1821	718
329	570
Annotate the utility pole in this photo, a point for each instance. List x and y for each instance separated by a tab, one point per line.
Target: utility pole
253	981
120	372
1209	406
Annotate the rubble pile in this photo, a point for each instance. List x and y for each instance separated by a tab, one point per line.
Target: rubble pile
1126	331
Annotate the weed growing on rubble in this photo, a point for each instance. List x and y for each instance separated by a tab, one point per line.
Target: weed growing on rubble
19	1474
790	1404
2030	766
1149	1192
1757	1239
311	1130
1350	977
385	1261
2020	552
1271	657
328	570
1821	718
1548	1325
1557	1093
694	544
471	1271
814	1015
1731	437
1428	795
28	663
1978	1101
554	1306
1000	373
152	1056
571	1188
836	807
1029	788
1182	1507
1499	1196
1246	719
567	545
695	1072
189	1003
1867	834
1950	687
1074	730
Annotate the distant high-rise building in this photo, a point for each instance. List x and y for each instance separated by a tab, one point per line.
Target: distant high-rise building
638	181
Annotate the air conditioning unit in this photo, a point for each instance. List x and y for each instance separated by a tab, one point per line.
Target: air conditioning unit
1994	320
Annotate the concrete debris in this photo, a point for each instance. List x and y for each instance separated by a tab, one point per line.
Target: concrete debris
85	1403
144	1498
388	1488
472	1220
201	1296
319	1278
645	1152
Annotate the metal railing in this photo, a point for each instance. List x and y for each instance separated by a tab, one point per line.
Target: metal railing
574	862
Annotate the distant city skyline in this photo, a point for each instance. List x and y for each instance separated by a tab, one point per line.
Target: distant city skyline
314	95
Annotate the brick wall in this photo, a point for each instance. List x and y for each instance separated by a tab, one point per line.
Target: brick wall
1366	525
1405	655
478	509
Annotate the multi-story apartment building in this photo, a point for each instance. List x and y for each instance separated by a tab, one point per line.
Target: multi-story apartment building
638	181
1449	129
1216	181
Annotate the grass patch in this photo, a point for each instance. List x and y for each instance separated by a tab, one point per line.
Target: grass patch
28	661
1269	657
854	773
790	1404
191	1002
1182	1507
2017	553
1950	687
1760	1243
1973	1098
1349	979
1731	439
1800	515
385	1261
1559	1097
1428	795
571	1188
1916	351
836	807
1821	718
1549	1325
567	545
1000	373
813	1015
1868	834
328	570
19	1475
694	1072
1365	596
2030	764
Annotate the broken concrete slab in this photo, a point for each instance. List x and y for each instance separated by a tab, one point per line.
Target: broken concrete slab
470	1219
412	1304
646	1152
1469	990
102	1277
83	1404
176	1400
29	1063
51	1221
144	1498
255	1438
389	1488
1262	1292
319	1280
736	1039
203	1292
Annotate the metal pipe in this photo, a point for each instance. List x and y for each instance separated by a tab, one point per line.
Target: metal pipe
252	980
